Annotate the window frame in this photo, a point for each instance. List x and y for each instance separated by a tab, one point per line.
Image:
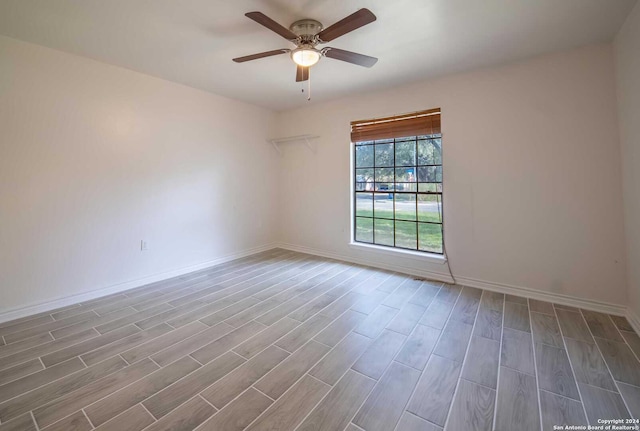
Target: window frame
417	252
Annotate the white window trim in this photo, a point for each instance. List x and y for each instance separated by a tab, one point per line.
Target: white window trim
422	256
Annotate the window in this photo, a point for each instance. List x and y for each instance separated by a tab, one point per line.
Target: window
398	181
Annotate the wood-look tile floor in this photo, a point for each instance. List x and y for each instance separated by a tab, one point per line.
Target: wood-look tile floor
287	341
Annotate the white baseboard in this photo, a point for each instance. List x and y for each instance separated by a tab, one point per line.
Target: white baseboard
432	275
527	292
633	319
93	294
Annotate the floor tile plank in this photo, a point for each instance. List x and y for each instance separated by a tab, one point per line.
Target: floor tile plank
91	393
517	402
472	408
426	294
481	365
10	349
546	330
560	411
631	396
289	411
259	342
621	323
379	354
237	381
337	361
22	423
282	377
516	316
418	347
87	346
437	314
454	340
588	365
191	344
467	305
517	351
554	371
76	422
407	318
541	307
156	345
227	342
384	406
340	405
134	419
434	393
239	414
573	326
18	371
624	366
163	402
54	390
186	417
39	378
601	325
303	333
602	404
117	403
411	422
339	328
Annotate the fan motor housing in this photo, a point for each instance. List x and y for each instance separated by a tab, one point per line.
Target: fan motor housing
306	27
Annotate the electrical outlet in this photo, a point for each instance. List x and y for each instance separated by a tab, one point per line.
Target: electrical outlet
144	245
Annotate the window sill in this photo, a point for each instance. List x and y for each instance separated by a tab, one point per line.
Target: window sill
417	255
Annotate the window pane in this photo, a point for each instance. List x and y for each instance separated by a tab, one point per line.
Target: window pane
384	187
430	152
383	231
430	187
364	175
406	234
364	229
406	175
429	208
430	174
384	154
406	187
430	237
364	156
364	204
384	175
405	206
406	153
383	205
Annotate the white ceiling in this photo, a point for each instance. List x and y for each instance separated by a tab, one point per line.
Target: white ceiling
193	41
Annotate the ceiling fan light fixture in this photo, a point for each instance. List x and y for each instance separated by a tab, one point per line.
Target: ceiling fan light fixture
305	56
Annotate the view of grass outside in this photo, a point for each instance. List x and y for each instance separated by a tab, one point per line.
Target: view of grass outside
398	200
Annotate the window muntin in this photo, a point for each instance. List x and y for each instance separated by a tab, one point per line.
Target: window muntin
398	192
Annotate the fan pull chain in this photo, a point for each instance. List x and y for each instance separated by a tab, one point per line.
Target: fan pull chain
309	85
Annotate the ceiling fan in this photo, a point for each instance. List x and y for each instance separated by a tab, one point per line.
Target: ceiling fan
307	34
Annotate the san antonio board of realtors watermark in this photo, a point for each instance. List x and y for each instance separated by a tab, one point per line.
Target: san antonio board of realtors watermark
603	425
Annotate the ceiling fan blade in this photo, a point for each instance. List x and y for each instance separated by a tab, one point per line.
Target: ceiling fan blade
346	25
260	55
302	74
350	57
264	20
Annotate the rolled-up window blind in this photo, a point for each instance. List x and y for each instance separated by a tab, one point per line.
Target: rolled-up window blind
399	126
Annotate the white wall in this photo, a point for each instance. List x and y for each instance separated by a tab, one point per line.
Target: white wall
531	174
627	49
94	158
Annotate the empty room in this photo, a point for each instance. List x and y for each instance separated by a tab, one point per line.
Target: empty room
294	215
